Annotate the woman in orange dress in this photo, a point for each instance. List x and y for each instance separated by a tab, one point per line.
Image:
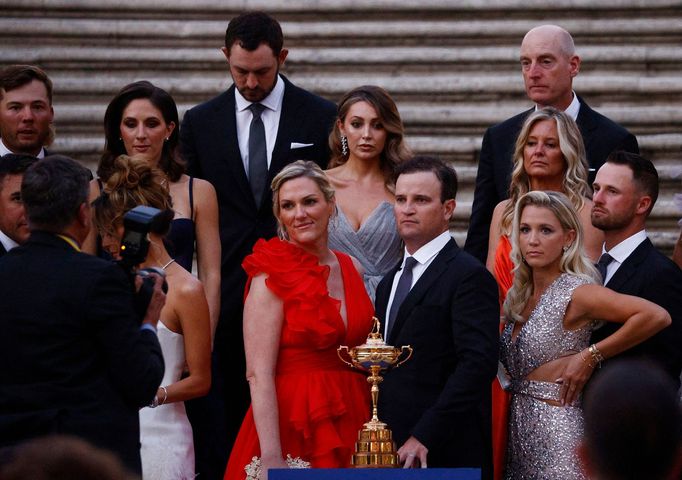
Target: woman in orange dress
549	155
303	300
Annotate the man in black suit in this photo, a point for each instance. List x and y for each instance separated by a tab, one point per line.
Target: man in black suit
26	112
13	224
239	141
444	303
76	360
548	65
625	191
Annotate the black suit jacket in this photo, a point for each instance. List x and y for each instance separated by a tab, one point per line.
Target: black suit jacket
600	135
209	145
2	250
441	395
75	360
649	274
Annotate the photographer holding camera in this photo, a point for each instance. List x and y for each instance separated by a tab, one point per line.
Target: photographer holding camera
75	359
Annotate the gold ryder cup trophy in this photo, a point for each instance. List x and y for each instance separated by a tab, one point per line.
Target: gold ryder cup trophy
375	447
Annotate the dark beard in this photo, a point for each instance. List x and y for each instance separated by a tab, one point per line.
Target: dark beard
260	93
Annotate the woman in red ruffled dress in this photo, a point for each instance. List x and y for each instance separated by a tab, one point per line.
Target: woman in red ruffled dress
303	301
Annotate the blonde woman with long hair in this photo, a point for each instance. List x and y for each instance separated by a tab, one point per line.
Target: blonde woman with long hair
550	311
549	155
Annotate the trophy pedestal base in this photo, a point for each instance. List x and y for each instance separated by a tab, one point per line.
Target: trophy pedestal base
375	447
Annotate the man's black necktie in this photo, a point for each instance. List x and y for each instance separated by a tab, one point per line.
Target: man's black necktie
604	261
258	155
401	291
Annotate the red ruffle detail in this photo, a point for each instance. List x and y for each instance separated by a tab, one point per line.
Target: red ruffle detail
329	409
504	267
295	276
322	403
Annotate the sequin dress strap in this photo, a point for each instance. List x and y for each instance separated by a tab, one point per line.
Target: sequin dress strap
537	389
542	337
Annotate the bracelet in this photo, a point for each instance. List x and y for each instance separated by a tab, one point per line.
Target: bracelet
155	403
585	360
597	356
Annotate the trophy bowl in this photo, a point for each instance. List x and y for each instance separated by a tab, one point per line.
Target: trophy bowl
367	356
375	447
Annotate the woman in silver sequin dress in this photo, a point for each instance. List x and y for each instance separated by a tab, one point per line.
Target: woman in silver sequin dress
550	310
366	144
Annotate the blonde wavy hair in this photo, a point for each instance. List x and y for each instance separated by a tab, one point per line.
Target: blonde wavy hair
573	260
574	183
298	169
132	182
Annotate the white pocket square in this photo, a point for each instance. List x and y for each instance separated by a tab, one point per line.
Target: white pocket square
295	145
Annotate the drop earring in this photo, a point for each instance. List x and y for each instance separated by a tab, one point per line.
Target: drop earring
344	145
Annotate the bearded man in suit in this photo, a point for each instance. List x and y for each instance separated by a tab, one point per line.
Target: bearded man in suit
444	303
239	141
548	64
625	191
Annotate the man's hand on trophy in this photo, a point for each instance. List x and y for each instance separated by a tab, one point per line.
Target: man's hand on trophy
413	454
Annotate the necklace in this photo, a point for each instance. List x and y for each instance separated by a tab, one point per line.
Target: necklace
166	265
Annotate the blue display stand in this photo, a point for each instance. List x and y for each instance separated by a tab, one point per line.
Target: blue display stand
375	474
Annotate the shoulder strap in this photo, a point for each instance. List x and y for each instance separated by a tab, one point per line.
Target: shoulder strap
352	280
191	198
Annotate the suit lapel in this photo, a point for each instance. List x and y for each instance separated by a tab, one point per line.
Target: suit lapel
288	123
382	294
586	123
224	114
424	284
630	266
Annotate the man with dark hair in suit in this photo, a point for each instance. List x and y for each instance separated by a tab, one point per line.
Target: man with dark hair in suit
548	64
13	224
26	112
625	191
239	141
444	303
77	361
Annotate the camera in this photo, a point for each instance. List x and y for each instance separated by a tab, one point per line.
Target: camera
137	224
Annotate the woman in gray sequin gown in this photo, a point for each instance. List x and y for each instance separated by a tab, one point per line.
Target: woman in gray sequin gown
550	310
367	144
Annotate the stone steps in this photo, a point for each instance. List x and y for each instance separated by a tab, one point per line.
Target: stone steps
452	66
